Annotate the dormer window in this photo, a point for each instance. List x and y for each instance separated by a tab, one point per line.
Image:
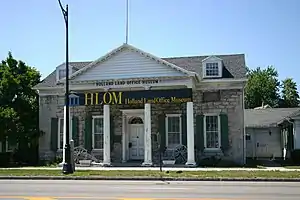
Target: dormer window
212	67
61	73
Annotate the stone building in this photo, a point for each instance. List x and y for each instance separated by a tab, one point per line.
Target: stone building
126	103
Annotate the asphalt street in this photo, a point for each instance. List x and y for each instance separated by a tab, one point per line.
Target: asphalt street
145	190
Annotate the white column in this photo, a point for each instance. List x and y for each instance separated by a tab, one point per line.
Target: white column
147	136
190	134
106	139
124	138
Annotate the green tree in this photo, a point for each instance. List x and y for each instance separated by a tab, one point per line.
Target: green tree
262	87
290	96
18	102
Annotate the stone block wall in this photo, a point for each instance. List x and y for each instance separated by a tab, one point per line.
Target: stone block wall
230	103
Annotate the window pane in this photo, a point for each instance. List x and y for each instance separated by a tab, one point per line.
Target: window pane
174	139
173	124
212	132
173	131
98	133
61	140
61	125
98	139
62	73
212	69
98	125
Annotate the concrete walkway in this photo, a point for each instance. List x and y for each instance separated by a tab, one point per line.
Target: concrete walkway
156	169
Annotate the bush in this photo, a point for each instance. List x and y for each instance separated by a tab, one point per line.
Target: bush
217	162
295	155
5	159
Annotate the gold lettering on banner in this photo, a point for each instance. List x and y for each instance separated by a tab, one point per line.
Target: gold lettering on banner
121	98
89	97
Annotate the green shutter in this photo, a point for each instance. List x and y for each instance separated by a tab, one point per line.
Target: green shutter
290	137
162	131
75	133
199	135
3	146
184	129
112	133
54	134
224	131
88	133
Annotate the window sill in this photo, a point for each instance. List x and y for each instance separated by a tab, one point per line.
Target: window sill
212	150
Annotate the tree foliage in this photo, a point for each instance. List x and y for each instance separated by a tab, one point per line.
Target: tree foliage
18	101
290	96
262	87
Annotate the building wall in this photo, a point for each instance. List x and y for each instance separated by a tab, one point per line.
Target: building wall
230	103
264	142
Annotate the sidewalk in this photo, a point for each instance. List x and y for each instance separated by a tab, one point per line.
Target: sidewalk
156	169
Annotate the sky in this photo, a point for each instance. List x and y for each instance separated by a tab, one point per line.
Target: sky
266	31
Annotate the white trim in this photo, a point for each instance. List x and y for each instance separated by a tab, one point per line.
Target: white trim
166	127
219	131
93	131
213	57
220	69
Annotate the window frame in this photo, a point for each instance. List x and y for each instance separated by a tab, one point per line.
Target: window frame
58	132
93	131
6	146
219	131
167	128
212	59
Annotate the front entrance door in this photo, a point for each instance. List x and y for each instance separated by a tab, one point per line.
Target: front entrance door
136	142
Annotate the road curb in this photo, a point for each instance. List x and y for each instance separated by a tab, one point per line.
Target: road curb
147	178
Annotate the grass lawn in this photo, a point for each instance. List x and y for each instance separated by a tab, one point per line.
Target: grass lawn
292	167
150	173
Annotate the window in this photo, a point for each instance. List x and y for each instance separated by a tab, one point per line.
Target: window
61	73
212	136
212	69
97	132
173	130
248	137
9	147
60	139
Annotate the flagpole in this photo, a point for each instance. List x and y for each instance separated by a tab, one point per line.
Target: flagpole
127	16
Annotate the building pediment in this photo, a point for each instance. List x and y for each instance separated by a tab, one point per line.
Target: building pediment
128	62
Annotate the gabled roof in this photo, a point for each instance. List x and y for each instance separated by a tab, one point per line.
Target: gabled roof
268	117
211	57
145	54
234	66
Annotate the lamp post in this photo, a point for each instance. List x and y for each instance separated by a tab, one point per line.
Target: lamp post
67	166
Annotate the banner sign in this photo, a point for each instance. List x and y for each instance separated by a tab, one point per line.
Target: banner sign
135	97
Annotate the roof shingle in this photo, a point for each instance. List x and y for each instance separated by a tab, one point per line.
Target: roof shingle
234	67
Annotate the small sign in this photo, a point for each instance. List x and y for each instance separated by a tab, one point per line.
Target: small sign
132	82
136	97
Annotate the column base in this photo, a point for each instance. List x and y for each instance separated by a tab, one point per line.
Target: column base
106	164
190	164
147	164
